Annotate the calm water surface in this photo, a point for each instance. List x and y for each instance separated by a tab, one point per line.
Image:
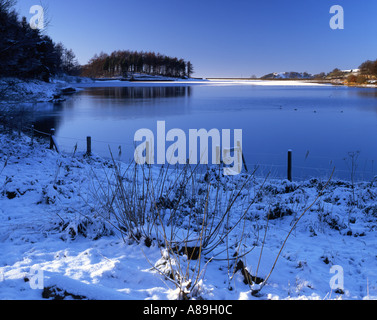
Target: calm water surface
321	124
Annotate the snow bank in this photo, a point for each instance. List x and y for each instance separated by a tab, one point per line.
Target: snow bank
13	90
54	246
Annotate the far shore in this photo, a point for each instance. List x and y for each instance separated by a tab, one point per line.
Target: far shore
13	90
335	82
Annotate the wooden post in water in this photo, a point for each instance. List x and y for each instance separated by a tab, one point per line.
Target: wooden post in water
88	146
290	165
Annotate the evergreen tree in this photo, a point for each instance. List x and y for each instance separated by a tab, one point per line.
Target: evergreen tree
26	52
190	69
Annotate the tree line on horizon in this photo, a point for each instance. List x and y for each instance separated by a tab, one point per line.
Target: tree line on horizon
28	53
369	67
367	71
121	63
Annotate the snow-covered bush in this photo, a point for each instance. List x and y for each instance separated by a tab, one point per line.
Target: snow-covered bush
185	212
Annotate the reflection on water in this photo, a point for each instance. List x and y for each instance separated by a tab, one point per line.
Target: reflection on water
125	103
131	93
43	116
321	124
371	93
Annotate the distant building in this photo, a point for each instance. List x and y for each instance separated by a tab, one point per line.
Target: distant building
351	71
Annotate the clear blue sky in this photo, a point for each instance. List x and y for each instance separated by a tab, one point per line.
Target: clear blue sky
221	38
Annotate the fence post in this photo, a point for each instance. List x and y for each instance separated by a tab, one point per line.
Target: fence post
290	165
88	146
52	132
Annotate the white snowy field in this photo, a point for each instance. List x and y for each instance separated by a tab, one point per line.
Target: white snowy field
57	241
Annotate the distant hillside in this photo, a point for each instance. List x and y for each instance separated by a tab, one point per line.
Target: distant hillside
287	75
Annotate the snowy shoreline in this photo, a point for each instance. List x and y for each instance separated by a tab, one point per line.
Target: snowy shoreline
47	224
17	91
13	90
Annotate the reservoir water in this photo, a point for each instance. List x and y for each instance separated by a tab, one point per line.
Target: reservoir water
325	126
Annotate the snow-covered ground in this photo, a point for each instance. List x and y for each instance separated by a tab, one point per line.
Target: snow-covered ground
53	242
13	90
